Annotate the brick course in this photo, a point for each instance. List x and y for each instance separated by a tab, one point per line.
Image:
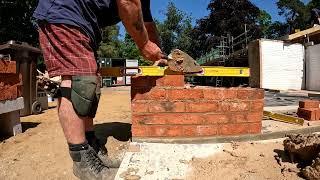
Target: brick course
163	107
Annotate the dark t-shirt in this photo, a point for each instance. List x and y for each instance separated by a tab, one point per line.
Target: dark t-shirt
89	15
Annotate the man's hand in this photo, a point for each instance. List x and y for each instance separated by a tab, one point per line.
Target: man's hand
152	52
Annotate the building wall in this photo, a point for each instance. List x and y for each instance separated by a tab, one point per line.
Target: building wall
313	68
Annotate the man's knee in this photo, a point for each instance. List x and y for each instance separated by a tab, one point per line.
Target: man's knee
84	94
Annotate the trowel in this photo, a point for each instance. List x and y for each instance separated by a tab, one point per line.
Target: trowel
179	61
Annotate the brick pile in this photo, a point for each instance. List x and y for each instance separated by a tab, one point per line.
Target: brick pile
10	81
309	110
164	107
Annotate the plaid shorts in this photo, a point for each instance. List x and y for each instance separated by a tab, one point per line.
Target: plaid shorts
66	50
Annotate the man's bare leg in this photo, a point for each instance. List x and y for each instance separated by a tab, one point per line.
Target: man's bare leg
88	124
73	126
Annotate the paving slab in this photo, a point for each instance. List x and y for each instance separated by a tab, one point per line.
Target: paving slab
161	160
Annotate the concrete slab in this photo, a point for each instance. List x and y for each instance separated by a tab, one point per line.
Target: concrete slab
10	124
162	161
11	105
281	109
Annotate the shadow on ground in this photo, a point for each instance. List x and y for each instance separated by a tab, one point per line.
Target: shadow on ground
28	125
120	131
25	126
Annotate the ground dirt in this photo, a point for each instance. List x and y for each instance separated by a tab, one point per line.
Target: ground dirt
245	161
304	150
41	151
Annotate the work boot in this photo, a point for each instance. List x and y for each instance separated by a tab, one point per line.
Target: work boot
102	152
88	166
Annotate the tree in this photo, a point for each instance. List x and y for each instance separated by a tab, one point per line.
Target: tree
129	50
313	4
175	31
16	21
295	12
225	17
230	17
265	22
110	44
277	30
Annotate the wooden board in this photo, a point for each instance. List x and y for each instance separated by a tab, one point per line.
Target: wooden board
255	64
310	32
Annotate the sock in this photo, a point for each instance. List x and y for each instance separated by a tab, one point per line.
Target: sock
78	147
91	137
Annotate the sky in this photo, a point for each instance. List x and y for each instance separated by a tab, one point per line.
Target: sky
198	9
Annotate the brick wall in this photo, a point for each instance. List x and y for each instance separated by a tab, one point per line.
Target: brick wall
164	107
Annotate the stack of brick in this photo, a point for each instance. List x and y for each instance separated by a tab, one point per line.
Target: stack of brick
309	110
164	107
10	81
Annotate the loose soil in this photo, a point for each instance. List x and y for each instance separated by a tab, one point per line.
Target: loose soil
245	161
41	151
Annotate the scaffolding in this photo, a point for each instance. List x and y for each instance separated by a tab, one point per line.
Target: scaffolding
228	49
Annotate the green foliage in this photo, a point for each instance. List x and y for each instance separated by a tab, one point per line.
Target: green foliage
295	12
226	17
15	21
129	50
277	29
110	45
265	22
175	31
313	4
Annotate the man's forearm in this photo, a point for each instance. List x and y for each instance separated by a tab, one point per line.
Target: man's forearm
131	16
153	33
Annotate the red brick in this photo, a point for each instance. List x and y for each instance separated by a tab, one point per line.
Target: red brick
10	86
220	93
148	119
238	118
233	129
255	128
245	93
234	106
140	107
185	119
171	81
8	67
215	118
185	94
166	106
258	94
157	131
174	131
310	114
148	94
142	82
309	104
139	131
165	131
189	131
255	116
208	106
207	130
257	105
